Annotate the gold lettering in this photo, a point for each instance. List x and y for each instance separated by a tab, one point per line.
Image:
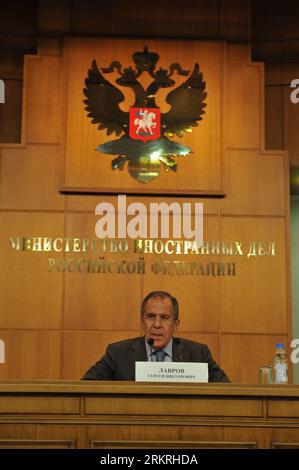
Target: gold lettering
231	269
215	248
238	248
81	266
178	245
212	271
94	245
91	266
131	267
113	246
158	247
15	243
156	268
101	265
167	249
37	244
141	267
271	251
55	244
109	265
76	245
205	248
148	246
261	249
60	265
177	265
227	249
26	244
194	249
138	246
193	267
121	267
184	268
67	244
221	269
252	250
166	267
187	247
123	246
85	244
51	264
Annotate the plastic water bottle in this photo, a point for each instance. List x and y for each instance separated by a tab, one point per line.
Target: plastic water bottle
280	365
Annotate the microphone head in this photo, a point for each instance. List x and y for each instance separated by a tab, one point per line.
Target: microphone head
150	341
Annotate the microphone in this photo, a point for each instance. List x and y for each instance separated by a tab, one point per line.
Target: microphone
150	342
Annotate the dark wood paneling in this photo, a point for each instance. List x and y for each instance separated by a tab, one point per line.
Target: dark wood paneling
11	112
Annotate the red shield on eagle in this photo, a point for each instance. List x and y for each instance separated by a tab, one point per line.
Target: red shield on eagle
145	123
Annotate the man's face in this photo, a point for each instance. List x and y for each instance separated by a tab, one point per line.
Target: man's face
158	321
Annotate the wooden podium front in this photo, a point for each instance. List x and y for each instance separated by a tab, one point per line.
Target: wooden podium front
111	415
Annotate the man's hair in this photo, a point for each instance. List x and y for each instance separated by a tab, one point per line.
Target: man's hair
161	295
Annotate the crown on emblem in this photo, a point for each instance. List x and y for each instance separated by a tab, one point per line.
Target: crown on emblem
145	60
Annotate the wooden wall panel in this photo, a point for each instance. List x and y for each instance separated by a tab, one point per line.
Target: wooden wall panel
290	125
212	340
95	309
102	301
31	177
81	349
11	68
255	301
242	355
135	19
249	191
43	99
228	19
11	112
190	436
11	71
284	114
98	300
198	295
42	436
244	101
31	297
54	17
273	117
254	438
235	20
88	169
31	355
18	17
88	203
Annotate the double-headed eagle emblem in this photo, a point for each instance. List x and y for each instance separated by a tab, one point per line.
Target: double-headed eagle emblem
146	135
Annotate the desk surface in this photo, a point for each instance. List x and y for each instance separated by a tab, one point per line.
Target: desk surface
146	388
109	415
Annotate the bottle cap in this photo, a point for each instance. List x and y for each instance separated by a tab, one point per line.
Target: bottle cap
280	345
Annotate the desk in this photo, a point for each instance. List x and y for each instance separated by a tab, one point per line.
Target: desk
110	415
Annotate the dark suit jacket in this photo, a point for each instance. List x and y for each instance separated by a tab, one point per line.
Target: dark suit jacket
118	363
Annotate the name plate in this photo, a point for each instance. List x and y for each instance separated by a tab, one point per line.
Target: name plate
171	372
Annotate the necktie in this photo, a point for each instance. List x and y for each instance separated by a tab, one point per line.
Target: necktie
160	355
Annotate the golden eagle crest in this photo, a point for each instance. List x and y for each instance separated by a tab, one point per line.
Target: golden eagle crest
146	133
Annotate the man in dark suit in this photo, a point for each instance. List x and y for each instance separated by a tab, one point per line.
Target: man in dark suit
159	321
